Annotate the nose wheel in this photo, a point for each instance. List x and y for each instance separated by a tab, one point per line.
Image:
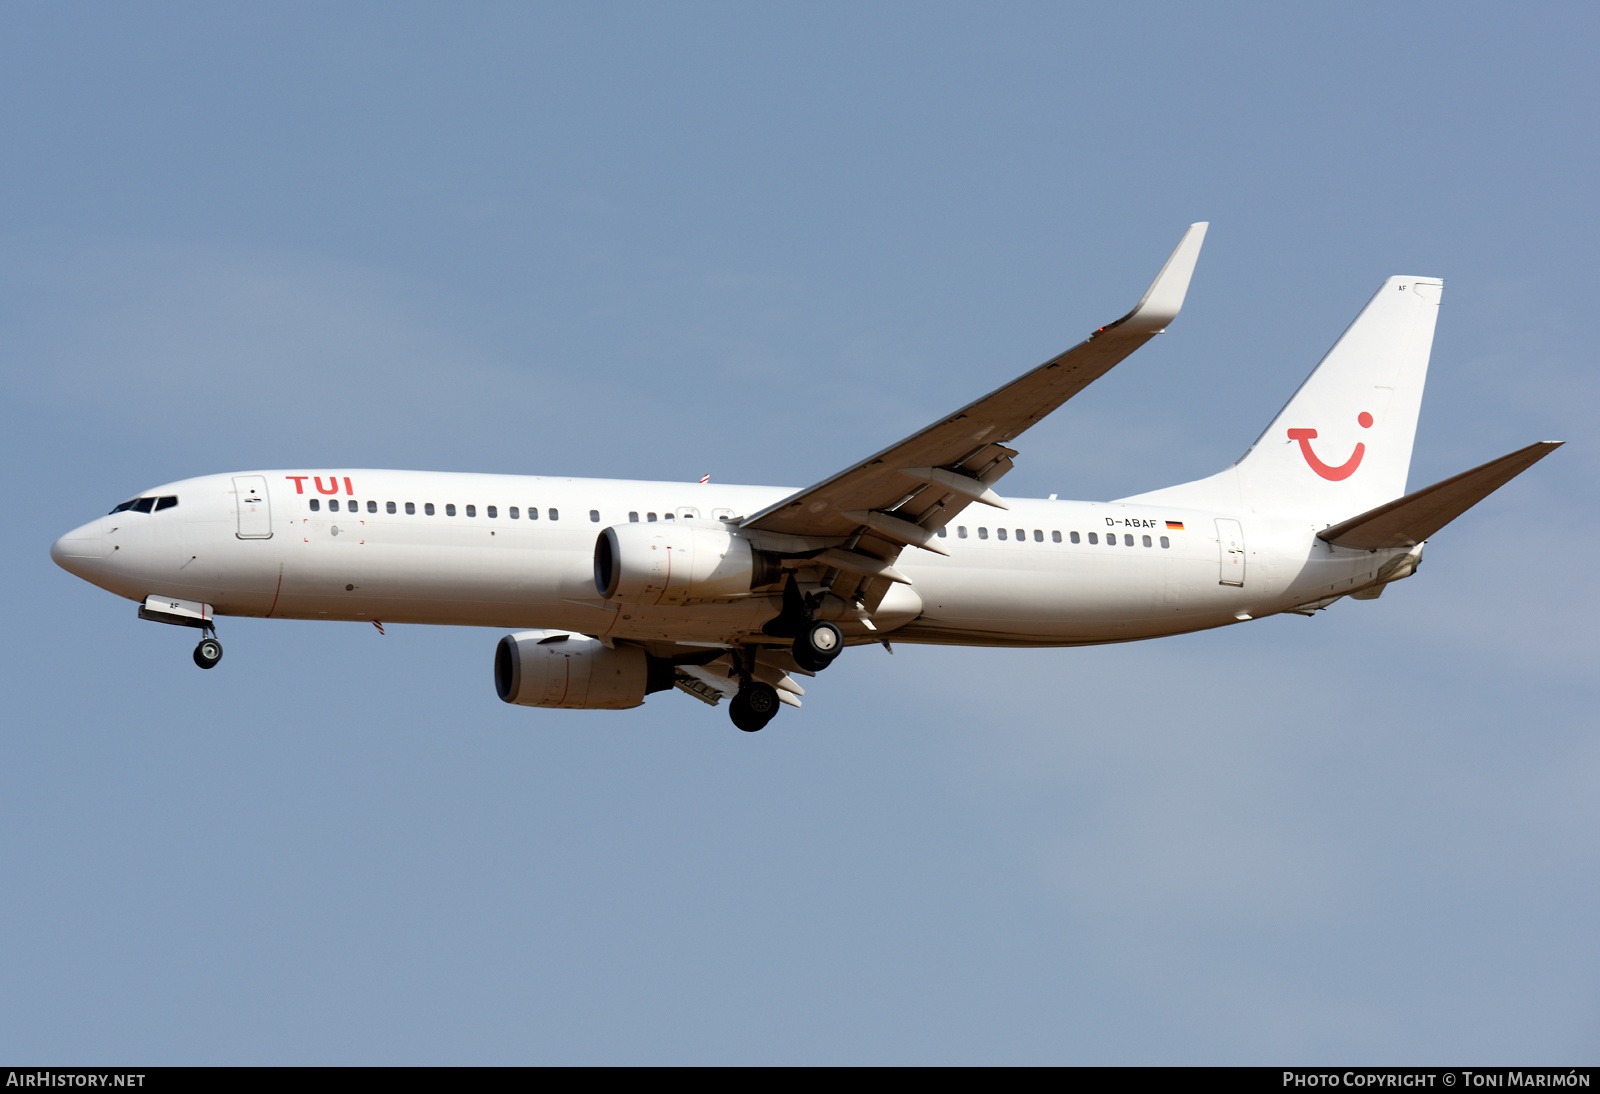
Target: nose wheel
208	652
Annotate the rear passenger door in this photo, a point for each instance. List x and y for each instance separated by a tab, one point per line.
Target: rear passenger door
1230	548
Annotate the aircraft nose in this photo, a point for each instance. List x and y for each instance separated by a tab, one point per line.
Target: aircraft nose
81	551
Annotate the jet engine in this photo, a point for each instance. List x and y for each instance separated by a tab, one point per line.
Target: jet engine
575	672
672	562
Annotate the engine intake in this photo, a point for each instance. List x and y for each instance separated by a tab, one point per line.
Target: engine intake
575	672
672	562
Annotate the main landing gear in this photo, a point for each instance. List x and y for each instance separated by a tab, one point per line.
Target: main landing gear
817	645
756	702
816	641
754	706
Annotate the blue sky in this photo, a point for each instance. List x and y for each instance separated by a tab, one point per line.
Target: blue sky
652	240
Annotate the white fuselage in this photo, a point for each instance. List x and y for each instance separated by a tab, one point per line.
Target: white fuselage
1043	573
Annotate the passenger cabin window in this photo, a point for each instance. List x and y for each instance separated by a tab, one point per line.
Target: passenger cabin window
411	508
168	502
449	508
1074	537
1055	537
1165	542
533	512
333	505
940	533
315	504
512	512
1038	535
492	512
1147	542
666	516
1022	535
1127	540
961	531
594	516
472	510
1092	537
999	533
428	508
388	507
649	518
633	517
983	533
555	514
372	506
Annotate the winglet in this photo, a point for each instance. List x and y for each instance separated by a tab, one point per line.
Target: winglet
1164	298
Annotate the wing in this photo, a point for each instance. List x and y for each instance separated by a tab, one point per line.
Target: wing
906	493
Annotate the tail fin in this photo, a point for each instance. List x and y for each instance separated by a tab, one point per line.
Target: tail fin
1343	443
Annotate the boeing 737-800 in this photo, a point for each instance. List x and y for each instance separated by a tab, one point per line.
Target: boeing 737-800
619	589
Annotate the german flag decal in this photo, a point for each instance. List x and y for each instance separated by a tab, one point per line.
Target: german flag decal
1174	525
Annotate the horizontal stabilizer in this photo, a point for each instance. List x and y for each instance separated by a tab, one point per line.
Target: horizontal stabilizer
1407	521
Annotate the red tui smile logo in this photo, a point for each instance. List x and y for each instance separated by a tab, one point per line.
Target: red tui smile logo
1344	470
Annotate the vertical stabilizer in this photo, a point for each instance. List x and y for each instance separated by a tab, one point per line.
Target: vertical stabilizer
1343	443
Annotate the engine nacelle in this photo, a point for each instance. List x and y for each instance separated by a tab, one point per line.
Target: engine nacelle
672	562
572	671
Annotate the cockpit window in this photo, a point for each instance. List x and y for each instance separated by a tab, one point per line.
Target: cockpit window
145	505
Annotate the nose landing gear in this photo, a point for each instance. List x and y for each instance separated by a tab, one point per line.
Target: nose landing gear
208	652
186	613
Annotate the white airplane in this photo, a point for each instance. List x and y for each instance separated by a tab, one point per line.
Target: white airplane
635	587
